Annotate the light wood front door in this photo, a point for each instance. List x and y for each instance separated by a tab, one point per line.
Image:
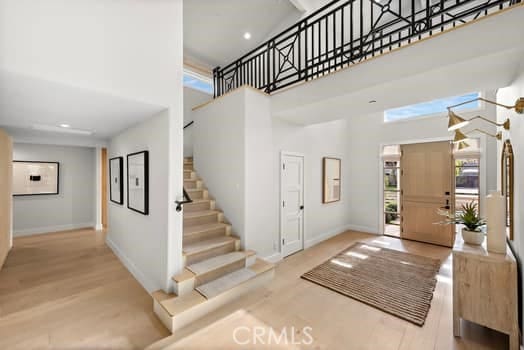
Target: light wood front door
292	206
427	185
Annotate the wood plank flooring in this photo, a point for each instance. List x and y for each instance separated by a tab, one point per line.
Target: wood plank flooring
337	322
68	291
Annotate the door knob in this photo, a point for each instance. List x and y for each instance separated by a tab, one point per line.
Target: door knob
301	207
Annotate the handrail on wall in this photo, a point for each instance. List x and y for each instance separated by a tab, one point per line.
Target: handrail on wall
187	199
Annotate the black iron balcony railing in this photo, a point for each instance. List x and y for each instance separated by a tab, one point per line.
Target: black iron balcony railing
344	33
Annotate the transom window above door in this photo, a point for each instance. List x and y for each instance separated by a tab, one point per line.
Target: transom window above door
432	108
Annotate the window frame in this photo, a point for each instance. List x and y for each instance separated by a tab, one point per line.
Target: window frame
478	166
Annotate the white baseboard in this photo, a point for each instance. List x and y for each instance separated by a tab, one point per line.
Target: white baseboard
50	229
273	258
326	235
365	229
146	283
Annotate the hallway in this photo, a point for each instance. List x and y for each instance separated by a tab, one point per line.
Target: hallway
68	290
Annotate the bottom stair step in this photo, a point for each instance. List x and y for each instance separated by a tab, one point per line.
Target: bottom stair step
226	282
176	312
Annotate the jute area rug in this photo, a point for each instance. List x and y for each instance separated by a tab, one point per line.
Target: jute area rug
398	283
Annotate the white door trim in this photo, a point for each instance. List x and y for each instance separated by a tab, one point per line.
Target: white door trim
281	211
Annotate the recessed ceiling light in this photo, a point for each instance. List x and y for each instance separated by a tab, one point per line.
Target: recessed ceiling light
247	35
65	125
61	129
372	101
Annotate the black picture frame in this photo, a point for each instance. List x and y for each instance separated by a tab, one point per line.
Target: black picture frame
120	180
145	189
57	192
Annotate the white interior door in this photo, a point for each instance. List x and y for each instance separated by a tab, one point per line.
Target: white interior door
292	206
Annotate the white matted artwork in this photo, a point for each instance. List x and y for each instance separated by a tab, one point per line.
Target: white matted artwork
116	184
32	178
331	180
138	182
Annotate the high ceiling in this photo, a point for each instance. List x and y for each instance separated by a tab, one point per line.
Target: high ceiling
213	30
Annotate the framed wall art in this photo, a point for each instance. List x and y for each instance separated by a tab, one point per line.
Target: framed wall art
331	170
116	180
138	182
31	178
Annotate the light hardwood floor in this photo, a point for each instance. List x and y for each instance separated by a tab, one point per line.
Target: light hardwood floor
68	291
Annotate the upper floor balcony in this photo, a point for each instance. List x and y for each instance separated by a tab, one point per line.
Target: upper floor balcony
344	33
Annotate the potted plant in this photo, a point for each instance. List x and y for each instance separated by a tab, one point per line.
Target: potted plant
470	218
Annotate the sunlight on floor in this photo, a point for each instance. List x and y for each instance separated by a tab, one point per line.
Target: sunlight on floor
341	263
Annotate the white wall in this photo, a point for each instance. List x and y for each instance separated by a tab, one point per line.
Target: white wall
508	96
141	240
237	153
315	142
192	98
219	154
367	133
260	219
73	207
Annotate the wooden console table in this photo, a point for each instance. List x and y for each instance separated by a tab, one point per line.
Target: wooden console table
485	289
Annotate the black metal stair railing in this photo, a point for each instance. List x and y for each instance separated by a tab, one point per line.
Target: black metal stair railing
343	33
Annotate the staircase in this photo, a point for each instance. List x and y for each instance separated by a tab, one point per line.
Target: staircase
216	270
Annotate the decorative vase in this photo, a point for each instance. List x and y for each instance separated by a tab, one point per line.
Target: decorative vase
472	237
496	218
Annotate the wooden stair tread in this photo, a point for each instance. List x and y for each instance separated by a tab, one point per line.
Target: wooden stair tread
261	266
225	283
180	304
202	246
189	230
215	263
160	295
197	214
183	276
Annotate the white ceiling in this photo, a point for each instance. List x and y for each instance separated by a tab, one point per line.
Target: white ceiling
26	101
213	30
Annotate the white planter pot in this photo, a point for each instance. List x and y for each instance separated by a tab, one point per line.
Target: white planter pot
472	237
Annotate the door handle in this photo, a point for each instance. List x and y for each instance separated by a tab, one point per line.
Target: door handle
447	207
301	207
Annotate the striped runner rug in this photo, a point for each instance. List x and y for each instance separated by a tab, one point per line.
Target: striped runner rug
398	283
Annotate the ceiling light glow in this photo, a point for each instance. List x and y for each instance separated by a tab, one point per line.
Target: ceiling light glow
247	35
